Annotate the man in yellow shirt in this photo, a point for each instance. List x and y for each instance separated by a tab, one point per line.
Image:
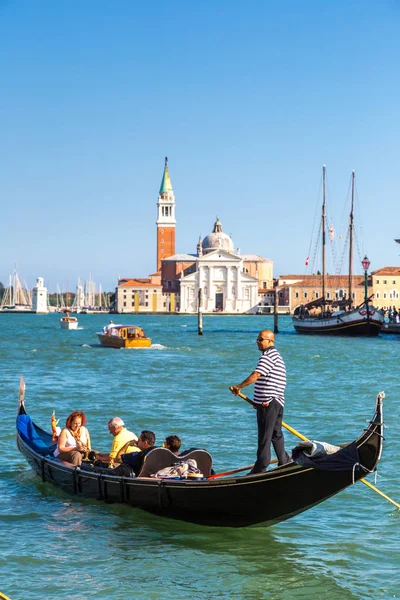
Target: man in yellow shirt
120	444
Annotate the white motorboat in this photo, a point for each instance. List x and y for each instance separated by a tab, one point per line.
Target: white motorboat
68	322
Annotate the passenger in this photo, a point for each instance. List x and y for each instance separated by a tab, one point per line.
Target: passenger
173	443
146	442
74	440
120	444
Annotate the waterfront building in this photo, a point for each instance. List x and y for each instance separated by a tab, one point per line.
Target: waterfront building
39	297
142	295
225	287
386	287
301	289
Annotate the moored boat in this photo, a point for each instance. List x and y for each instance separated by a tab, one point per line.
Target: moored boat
235	501
123	336
68	322
340	317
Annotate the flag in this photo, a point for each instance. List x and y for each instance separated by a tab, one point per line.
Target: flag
331	233
307	260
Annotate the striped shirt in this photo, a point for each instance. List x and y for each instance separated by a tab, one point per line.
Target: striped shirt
272	382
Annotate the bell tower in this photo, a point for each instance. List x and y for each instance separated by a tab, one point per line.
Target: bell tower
165	218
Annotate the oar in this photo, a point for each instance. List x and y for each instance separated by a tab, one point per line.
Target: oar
302	437
230	472
275	460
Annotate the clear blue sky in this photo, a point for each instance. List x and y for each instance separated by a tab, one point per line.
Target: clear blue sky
247	100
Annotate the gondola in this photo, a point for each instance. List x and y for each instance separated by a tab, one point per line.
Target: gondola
234	501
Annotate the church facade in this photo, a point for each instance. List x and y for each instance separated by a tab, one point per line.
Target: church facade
219	284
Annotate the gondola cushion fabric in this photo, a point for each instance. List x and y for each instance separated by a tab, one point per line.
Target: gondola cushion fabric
29	434
344	459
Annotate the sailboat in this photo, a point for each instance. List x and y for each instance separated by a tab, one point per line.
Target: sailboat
340	317
16	298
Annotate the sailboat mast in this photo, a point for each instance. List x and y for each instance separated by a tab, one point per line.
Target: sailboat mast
323	231
351	241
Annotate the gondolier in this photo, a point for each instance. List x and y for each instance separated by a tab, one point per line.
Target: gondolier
269	378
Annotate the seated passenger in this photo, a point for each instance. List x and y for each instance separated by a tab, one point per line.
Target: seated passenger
120	444
146	442
74	440
173	443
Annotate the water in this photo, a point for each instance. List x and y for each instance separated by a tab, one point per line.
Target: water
53	545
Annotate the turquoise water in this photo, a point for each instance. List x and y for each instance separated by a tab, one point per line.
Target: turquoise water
53	546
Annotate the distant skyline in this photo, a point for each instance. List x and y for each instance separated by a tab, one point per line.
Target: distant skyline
247	100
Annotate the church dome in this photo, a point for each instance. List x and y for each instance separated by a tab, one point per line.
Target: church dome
217	240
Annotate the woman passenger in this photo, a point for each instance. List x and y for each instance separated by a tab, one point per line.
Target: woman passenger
74	440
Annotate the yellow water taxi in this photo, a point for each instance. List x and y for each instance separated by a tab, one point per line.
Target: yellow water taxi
123	336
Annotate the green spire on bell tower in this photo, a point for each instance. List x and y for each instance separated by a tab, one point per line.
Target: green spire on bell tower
166	185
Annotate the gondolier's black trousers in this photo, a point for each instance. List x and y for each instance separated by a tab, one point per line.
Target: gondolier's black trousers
269	422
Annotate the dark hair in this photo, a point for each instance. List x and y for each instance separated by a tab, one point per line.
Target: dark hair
173	443
148	436
76	413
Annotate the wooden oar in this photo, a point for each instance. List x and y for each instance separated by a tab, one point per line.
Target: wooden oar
230	472
302	437
275	460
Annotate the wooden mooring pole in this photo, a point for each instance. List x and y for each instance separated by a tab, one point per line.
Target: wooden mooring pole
200	313
276	299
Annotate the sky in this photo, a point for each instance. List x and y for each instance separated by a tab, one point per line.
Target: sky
247	99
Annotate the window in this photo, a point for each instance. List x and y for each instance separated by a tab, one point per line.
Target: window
296	295
394	282
384	281
317	294
328	295
246	293
132	304
264	285
146	303
384	294
377	295
124	303
377	281
305	294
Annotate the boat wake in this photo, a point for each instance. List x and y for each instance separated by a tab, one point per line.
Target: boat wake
157	347
86	346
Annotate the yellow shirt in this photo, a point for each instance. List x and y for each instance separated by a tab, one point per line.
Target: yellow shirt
119	441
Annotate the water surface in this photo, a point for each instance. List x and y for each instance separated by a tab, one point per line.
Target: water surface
54	546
